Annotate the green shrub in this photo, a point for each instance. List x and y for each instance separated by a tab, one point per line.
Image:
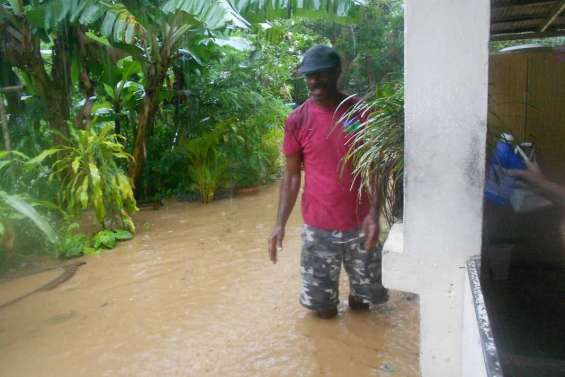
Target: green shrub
91	178
72	245
207	164
75	245
253	145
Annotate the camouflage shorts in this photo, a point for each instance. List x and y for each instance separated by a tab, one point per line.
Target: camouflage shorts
323	252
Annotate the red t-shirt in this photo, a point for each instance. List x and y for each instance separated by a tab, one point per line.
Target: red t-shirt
330	199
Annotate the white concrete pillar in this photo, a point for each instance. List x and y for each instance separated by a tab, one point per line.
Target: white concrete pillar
446	78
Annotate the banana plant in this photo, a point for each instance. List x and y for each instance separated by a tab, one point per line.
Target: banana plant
26	29
122	93
337	10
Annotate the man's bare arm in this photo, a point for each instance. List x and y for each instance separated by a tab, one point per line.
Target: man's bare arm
370	226
288	192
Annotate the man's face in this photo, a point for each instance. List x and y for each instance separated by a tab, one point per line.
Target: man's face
323	84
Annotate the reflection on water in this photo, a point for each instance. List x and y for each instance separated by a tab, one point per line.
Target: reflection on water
194	294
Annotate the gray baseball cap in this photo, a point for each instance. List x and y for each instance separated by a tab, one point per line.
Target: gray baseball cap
318	58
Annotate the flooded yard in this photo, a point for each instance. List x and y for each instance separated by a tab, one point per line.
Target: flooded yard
194	294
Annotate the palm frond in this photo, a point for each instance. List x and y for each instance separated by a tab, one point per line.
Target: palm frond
376	150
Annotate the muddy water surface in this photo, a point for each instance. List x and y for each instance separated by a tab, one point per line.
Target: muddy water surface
195	295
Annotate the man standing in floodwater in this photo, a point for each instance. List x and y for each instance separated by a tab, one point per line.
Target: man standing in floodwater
339	225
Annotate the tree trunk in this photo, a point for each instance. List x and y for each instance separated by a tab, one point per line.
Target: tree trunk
87	88
13	107
22	49
179	101
4	122
54	92
61	84
56	108
145	123
85	83
370	70
117	121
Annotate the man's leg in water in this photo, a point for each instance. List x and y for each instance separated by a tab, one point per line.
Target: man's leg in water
364	270
320	264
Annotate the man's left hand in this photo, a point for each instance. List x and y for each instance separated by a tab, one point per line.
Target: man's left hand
370	228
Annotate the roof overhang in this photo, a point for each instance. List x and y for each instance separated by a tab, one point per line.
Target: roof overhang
525	19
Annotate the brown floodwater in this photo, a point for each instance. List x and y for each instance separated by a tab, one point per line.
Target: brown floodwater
194	294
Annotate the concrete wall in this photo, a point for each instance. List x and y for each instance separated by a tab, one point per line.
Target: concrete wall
446	76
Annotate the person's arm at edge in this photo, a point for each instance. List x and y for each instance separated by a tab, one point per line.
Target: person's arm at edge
288	192
533	175
552	192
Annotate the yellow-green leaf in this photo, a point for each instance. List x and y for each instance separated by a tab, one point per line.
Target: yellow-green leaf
83	194
94	174
76	164
99	207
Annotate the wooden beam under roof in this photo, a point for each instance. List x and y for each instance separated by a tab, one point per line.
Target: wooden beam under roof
520	7
553	16
531	35
517	26
500	13
520	19
509	3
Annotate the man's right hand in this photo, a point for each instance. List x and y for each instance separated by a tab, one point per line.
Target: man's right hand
290	185
275	242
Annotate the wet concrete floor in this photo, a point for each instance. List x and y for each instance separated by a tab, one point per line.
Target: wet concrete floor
194	294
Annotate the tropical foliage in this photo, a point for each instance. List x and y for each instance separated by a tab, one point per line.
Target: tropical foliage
377	148
103	104
14	209
90	177
207	164
17	206
372	48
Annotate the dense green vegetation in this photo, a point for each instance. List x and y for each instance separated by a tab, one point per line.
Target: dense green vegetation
104	105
